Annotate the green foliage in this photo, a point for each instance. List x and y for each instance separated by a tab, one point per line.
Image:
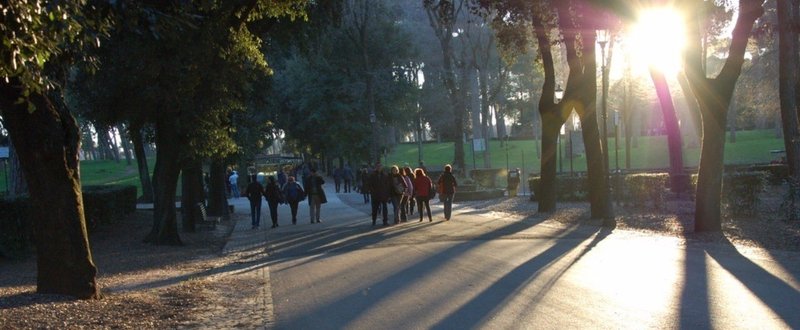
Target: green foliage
646	190
740	191
777	173
15	227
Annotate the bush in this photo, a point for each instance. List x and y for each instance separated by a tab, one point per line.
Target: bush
567	188
641	189
777	173
740	191
486	177
15	227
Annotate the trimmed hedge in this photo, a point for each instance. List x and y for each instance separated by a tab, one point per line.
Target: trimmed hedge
108	204
646	188
486	177
740	191
777	173
567	188
16	232
101	205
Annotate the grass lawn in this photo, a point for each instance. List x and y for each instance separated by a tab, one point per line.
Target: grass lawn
651	152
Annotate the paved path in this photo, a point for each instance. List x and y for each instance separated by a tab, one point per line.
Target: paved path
494	270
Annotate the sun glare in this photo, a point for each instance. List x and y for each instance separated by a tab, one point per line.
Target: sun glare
657	40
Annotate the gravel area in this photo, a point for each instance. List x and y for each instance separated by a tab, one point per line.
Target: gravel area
162	287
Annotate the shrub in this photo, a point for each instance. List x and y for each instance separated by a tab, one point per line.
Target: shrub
107	204
777	173
486	177
740	191
567	188
641	189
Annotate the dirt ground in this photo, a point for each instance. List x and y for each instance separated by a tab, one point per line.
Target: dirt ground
158	287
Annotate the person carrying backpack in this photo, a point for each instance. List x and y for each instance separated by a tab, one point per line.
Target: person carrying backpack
272	194
293	194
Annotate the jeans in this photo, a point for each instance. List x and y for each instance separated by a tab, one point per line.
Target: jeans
379	205
293	207
423	201
273	212
235	191
447	199
255	212
396	207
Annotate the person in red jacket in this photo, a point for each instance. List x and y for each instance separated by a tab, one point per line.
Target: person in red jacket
423	189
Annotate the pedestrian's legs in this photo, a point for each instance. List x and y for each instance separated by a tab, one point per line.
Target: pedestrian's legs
427	208
347	186
254	213
403	208
317	205
419	207
273	213
396	208
385	211
293	207
448	205
411	202
375	207
311	208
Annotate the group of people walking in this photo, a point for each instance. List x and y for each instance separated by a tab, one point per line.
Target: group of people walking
402	188
286	190
405	188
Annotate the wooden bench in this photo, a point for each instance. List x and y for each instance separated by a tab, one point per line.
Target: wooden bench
206	221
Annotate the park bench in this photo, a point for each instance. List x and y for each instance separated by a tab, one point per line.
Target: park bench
206	221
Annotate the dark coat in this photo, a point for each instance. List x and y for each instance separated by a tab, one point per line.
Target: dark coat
253	191
272	193
447	183
313	186
380	186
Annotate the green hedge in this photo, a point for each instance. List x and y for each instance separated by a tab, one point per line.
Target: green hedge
740	191
567	188
15	229
646	189
486	177
102	205
107	204
777	173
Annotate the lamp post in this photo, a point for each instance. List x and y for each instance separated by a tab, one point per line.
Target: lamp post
559	93
616	141
506	147
372	146
602	40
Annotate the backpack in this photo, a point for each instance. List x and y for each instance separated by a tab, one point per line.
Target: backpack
293	192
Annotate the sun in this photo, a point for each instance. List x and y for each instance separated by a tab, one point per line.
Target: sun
657	39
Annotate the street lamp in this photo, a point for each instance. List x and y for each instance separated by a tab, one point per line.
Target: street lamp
372	146
559	93
616	141
602	40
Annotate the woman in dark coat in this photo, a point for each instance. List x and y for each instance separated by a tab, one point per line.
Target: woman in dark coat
447	188
272	193
379	185
316	195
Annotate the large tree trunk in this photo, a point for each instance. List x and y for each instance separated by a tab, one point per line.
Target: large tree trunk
788	76
126	146
486	120
217	201
135	133
551	125
165	178
47	142
673	130
714	97
191	193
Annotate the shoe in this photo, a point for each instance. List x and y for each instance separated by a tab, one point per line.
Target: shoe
420	220
319	221
273	226
430	220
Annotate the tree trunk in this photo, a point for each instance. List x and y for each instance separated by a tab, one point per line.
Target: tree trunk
191	193
126	146
547	184
486	119
788	76
713	96
217	202
165	178
135	134
47	143
671	123
114	145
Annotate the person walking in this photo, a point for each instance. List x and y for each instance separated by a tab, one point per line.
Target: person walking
364	176
337	179
272	193
347	175
408	177
281	177
234	182
447	188
293	194
253	193
423	189
316	195
378	184
398	188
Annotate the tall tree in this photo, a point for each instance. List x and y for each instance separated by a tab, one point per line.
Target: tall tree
789	81
713	96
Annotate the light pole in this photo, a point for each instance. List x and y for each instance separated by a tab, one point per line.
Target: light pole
616	141
559	93
506	145
372	146
602	40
